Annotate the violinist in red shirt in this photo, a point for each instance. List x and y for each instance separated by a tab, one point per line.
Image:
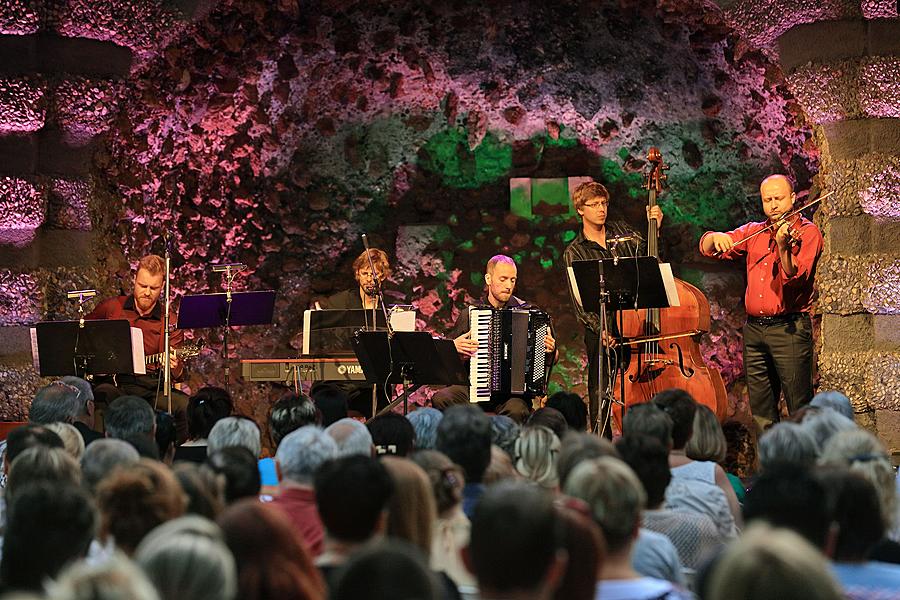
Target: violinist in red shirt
781	269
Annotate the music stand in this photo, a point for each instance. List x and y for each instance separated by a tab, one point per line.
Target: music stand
226	310
617	284
411	358
99	347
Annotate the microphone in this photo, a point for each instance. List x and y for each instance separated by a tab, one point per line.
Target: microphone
238	267
620	239
365	242
81	294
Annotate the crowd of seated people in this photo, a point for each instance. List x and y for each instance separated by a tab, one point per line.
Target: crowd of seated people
442	505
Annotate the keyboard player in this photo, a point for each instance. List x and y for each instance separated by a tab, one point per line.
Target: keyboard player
500	283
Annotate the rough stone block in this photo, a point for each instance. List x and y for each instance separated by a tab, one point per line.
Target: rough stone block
19	382
23	204
850	333
887	428
50	248
15	345
18	154
21	105
849	235
886	332
822	42
850	139
845	372
886	236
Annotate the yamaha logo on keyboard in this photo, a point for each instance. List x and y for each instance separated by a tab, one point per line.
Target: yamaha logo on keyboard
351	369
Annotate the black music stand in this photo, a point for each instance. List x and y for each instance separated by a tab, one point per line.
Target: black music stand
411	358
100	347
617	284
329	332
226	310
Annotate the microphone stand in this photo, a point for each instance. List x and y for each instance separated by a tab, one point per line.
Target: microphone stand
390	331
167	368
231	271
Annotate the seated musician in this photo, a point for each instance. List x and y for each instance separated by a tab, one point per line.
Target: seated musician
500	278
143	310
364	296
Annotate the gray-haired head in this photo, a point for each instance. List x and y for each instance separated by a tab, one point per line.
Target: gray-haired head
650	420
115	578
425	423
128	416
504	433
72	440
41	464
59	402
823	424
351	436
303	451
86	392
234	431
187	558
787	443
834	400
101	457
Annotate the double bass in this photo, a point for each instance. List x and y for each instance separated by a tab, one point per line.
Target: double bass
661	347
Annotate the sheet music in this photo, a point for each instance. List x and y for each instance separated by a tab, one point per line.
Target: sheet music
137	351
574	285
665	270
35	358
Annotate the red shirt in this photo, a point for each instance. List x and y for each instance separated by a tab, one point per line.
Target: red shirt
770	291
299	505
122	307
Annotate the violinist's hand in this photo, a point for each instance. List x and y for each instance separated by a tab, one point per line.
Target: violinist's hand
721	242
783	236
465	345
655	213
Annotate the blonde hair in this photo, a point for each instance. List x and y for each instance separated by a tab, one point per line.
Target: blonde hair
379	259
412	510
586	192
151	263
769	563
537	451
72	440
708	440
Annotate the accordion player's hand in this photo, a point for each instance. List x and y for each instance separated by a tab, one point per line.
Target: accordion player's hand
465	345
549	344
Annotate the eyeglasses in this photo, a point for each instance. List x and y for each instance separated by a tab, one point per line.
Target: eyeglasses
598	204
69	387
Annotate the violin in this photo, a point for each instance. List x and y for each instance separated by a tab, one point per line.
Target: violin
661	348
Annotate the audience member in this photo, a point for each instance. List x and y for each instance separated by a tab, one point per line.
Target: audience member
351	437
649	420
331	401
144	444
102	457
585	549
392	434
768	563
425	422
300	455
464	435
290	413
50	523
550	418
84	420
708	443
616	499
166	437
135	500
387	570
205	408
239	468
28	436
129	415
834	400
412	510
203	488
58	402
741	453
572	408
516	545
186	559
787	443
537	452
577	447
41	464
272	560
234	431
116	578
825	423
504	433
500	468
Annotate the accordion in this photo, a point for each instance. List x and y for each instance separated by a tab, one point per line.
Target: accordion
511	357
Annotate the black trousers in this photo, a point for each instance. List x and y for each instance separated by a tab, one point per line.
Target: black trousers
778	358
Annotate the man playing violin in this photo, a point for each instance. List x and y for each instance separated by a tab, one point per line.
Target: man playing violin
781	269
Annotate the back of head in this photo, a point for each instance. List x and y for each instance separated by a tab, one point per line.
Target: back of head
48	525
787	443
585	548
537	452
351	437
790	496
824	424
650	420
411	509
550	418
202	487
577	448
331	401
133	501
302	452
708	440
388	570
741	455
205	408
615	496
504	433
72	440
116	578
680	406
102	457
166	437
514	539
447	479
39	464
127	416
241	472
464	435
351	494
187	558
234	431
834	400
272	559
28	436
572	408
392	434
425	423
500	468
59	402
650	462
766	563
855	507
289	413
